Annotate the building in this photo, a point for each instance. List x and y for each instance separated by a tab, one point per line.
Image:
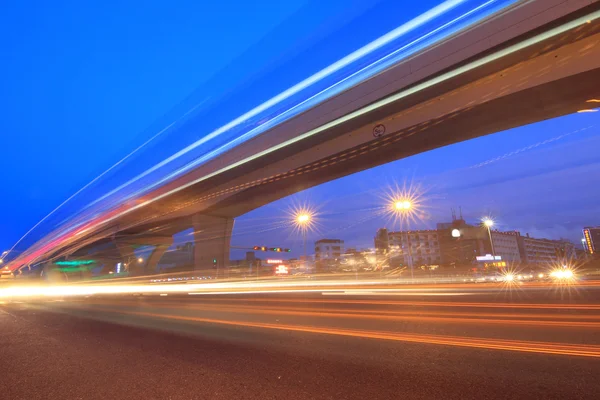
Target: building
357	260
461	243
382	243
506	245
328	253
416	248
545	252
408	248
591	240
458	244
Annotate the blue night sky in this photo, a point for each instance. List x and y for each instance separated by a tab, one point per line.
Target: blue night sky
87	82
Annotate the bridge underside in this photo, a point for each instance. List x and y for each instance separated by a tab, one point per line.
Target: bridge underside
210	234
553	79
551	100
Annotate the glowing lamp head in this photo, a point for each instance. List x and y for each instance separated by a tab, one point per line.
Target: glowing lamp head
402	205
303	218
140	260
488	222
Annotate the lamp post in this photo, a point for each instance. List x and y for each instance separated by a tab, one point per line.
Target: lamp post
488	224
303	220
402	208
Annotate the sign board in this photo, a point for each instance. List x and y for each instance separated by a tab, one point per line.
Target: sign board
379	130
270	261
488	257
281	270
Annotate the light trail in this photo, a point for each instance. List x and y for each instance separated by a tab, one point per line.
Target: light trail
431	304
576	321
223	305
472	342
367	288
192	288
527	148
376	292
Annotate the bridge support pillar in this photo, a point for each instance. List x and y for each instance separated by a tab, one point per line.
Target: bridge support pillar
212	240
146	265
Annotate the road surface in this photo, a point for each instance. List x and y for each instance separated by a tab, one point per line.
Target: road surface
463	342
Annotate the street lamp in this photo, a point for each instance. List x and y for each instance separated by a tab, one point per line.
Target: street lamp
303	220
140	260
403	205
488	223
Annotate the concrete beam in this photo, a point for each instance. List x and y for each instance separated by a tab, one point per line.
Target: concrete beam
212	240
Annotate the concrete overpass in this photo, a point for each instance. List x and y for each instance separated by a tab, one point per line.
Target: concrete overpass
536	60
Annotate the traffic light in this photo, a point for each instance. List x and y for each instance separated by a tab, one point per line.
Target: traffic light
214	262
274	249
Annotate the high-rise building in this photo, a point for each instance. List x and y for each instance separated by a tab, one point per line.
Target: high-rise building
591	242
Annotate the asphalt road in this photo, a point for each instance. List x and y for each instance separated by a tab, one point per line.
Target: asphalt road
467	342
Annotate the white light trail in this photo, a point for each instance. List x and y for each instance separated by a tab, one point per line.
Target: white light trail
205	288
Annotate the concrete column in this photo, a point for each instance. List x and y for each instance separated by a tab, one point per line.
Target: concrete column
151	264
128	244
212	240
